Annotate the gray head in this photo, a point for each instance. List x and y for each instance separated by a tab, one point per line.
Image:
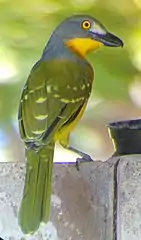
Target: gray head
82	33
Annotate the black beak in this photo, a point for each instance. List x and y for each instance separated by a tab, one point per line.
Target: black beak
110	40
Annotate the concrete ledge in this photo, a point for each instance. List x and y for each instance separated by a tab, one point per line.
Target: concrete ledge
129	198
101	202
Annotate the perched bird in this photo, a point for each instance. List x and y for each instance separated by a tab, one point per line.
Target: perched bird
53	100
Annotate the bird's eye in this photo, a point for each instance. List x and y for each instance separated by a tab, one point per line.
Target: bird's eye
86	25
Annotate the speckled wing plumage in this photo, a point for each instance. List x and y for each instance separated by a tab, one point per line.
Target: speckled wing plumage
54	91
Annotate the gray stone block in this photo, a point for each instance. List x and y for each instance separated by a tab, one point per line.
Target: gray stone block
100	202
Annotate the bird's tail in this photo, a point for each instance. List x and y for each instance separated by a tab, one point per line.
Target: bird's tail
35	206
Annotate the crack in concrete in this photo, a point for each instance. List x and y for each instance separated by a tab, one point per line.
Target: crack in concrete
115	200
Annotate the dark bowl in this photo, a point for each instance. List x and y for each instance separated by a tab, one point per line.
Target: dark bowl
126	136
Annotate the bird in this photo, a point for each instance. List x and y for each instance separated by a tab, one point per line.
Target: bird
52	102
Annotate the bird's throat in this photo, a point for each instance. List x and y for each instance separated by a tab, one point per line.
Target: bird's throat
82	46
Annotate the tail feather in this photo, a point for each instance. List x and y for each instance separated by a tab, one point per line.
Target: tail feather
47	194
35	206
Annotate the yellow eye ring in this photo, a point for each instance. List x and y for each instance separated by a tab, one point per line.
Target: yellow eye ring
86	25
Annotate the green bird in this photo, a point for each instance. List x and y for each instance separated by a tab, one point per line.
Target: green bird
53	100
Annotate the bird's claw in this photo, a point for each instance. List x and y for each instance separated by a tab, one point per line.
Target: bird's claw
84	159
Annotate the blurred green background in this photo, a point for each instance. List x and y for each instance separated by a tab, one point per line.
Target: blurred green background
25	27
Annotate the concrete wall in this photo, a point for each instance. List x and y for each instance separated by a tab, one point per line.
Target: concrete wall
101	202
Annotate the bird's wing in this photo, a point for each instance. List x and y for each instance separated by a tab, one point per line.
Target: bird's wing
32	111
49	99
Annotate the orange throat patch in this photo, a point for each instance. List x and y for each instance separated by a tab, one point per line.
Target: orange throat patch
82	46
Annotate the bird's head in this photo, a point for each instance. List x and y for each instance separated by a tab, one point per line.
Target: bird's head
83	34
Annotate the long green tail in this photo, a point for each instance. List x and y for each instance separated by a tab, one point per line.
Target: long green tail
35	206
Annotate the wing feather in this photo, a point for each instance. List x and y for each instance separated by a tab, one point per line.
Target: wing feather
45	104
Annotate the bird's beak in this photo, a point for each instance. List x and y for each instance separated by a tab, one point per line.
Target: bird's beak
109	40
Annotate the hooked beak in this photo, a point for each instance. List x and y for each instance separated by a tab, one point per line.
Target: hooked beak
111	40
108	39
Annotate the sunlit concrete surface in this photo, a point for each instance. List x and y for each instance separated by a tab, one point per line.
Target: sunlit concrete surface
101	201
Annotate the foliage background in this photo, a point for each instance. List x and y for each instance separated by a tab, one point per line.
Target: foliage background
25	27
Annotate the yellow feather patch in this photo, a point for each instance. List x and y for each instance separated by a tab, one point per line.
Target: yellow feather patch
41	117
64	132
83	45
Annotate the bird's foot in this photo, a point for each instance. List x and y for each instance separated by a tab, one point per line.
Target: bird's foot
85	158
